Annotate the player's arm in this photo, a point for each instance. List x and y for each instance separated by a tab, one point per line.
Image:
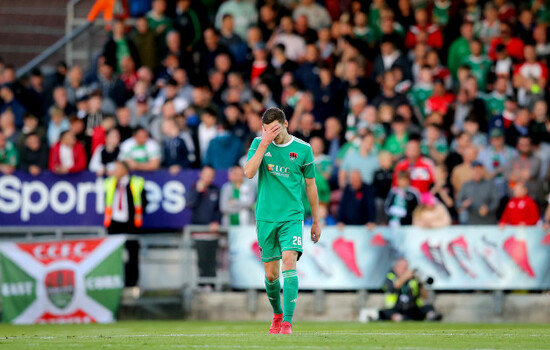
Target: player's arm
313	198
252	164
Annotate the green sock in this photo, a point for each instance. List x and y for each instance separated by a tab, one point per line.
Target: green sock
273	290
290	294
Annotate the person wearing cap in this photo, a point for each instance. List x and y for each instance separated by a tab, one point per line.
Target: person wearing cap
478	199
494	158
125	204
431	213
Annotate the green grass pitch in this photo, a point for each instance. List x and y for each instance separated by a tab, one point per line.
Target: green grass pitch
253	335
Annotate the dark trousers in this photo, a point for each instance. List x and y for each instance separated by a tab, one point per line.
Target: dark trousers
131	267
415	313
207	251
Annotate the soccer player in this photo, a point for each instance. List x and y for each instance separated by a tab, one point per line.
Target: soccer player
283	162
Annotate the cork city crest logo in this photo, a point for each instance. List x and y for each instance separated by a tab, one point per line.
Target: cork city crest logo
293	156
60	287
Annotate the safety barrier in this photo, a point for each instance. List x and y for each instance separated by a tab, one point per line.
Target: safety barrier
457	258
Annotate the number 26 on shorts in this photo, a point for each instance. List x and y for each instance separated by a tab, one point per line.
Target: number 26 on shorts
297	240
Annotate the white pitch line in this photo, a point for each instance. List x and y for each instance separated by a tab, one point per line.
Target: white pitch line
191	335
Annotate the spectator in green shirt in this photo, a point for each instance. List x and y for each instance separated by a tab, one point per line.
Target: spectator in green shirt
159	22
460	48
396	142
434	144
323	163
8	155
479	63
422	90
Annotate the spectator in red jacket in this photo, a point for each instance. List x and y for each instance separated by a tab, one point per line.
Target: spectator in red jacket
420	168
423	32
67	155
530	69
521	209
514	46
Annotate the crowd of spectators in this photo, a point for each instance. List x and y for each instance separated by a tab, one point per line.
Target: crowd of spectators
418	111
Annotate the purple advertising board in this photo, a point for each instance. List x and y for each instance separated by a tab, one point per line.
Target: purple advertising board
78	199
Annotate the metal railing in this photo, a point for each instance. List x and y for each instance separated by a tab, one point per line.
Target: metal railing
75	27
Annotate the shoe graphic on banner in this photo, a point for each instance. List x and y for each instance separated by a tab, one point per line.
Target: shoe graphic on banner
458	249
321	259
346	252
433	252
489	253
517	250
378	240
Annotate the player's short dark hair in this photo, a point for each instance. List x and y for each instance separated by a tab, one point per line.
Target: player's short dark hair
273	114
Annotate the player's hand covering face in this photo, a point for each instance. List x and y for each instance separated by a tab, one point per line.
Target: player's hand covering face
271	131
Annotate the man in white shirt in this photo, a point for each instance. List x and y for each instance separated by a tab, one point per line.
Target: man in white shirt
141	152
317	15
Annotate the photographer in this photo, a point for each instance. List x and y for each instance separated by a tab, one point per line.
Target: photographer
404	296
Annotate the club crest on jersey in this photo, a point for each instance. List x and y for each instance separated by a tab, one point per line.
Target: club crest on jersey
292	156
270	167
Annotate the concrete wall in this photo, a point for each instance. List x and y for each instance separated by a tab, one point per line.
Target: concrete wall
345	307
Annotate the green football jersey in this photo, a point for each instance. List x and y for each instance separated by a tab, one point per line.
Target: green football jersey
494	102
281	179
419	94
480	67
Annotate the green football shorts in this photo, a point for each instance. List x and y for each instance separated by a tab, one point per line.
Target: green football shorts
276	237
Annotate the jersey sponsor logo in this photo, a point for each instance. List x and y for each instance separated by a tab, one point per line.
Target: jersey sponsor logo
278	170
268	154
293	156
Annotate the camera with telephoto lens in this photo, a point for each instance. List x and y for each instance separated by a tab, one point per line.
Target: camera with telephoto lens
423	278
